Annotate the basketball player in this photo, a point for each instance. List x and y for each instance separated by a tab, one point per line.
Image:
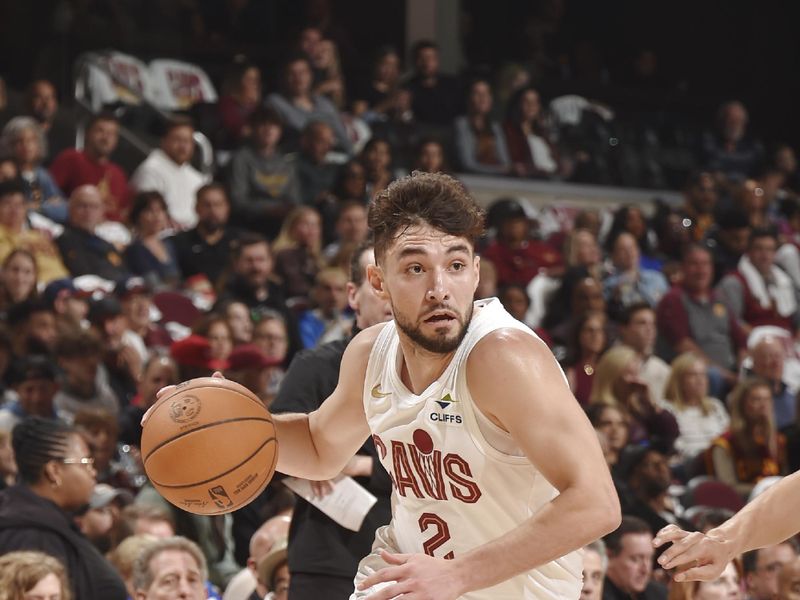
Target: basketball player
769	519
498	476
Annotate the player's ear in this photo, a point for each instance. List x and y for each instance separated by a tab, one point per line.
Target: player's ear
375	276
476	265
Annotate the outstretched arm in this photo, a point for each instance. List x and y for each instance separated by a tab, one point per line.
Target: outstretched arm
516	382
769	519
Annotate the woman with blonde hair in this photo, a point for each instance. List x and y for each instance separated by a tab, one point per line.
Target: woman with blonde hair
298	251
700	417
728	586
27	574
617	382
752	448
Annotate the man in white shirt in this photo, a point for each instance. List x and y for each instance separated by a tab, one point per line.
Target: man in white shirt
168	170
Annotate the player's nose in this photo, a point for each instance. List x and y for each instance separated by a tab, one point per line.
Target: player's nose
437	287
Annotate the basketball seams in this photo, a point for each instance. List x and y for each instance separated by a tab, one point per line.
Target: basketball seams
223	474
202	427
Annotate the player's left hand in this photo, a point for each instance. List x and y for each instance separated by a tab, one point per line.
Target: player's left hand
416	577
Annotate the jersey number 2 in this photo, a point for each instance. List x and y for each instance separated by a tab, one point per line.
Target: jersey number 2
441	536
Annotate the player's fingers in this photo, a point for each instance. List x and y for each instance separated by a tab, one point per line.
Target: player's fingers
218	375
390	592
707	572
394	559
682	551
670	533
385	575
165	391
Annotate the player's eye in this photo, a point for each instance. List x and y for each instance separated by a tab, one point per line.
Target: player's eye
415	269
458	266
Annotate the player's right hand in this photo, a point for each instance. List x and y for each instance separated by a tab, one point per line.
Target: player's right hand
695	556
166	391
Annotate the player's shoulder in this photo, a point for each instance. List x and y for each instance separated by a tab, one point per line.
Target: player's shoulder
501	344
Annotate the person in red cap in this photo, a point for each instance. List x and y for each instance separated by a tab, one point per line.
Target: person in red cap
193	356
250	366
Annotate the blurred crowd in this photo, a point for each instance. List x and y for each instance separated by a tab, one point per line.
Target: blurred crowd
676	325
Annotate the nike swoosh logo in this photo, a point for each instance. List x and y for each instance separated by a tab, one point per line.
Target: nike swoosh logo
377	393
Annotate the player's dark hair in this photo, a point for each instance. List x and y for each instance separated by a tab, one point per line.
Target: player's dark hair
629	525
37	441
434	199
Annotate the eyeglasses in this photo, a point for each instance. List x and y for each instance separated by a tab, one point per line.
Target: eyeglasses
85	461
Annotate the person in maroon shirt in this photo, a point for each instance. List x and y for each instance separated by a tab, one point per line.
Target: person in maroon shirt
73	168
517	257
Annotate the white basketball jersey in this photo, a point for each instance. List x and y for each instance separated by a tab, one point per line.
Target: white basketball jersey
453	491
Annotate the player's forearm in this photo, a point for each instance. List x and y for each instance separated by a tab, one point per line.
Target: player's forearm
578	516
770	519
297	454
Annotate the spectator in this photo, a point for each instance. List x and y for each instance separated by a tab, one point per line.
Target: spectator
789	580
298	252
327	321
595	563
264	183
487	284
100	429
435	96
315	172
630	219
700	200
158	371
217	330
8	169
56	478
638	331
33	328
33	379
70	305
430	157
630	563
123	350
83	250
612	423
250	367
173	566
30	575
327	68
299	106
124	555
8	464
531	144
383	83
617	382
480	141
728	585
629	283
762	569
24	140
192	354
515	300
578	294
648	478
751	198
581	250
240	98
752	448
207	248
85	381
73	168
377	160
245	584
692	318
701	418
583	353
15	233
518	257
240	320
270	334
273	572
57	124
768	355
728	152
17	279
759	292
727	241
351	230
145	520
150	254
101	519
168	170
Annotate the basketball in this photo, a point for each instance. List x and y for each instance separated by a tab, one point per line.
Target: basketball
209	447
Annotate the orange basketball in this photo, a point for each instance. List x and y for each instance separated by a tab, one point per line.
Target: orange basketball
209	447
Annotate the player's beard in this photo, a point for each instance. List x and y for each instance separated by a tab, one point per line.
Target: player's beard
439	344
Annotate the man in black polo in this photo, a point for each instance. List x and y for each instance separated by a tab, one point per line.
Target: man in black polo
206	249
